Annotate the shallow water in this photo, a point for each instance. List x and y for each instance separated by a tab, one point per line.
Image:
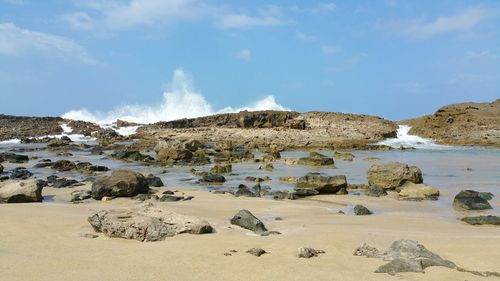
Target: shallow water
445	169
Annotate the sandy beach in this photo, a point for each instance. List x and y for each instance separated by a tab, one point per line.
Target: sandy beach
43	241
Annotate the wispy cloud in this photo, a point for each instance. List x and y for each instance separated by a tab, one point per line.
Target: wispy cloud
269	15
321	8
244	54
304	37
330	50
16	41
329	6
425	29
118	15
481	55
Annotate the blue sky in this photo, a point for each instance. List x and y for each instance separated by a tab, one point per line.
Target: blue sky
393	58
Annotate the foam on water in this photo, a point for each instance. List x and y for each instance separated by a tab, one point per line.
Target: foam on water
180	101
405	139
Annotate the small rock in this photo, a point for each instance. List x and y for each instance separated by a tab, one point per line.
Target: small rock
213	178
246	219
80	195
89	235
480	220
309	252
360	210
472	200
256	252
375	191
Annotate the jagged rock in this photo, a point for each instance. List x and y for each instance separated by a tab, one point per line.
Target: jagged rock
324	185
393	174
211	178
20	192
375	191
360	210
193	145
256	252
80	195
221	169
247	220
57	143
472	200
303	192
480	220
412	191
146	224
121	183
316	159
63	165
309	252
20	173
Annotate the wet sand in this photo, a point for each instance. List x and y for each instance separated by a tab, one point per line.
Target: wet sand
43	242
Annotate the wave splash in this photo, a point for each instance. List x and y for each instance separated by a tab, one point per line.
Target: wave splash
180	101
405	139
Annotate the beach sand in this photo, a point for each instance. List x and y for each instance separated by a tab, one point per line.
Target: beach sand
42	241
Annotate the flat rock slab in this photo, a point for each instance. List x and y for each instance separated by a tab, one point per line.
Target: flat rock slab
480	220
146	223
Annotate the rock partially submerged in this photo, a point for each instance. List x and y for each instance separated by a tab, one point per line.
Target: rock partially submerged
20	192
121	183
316	159
472	200
412	191
146	224
393	174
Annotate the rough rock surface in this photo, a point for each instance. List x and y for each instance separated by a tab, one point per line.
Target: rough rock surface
393	174
360	210
146	224
121	183
20	192
472	200
257	252
461	124
316	159
247	220
22	126
322	184
375	191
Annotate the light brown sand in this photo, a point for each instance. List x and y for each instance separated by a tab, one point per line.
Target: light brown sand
43	242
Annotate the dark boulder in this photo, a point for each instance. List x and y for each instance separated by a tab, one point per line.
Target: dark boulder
247	220
121	183
63	165
20	173
154	181
472	200
212	178
375	191
13	158
480	220
360	210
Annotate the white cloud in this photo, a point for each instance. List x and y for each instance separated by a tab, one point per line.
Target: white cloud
116	15
304	37
424	29
330	50
244	54
321	8
16	41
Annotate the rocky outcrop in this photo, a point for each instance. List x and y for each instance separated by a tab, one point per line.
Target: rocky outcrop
13	158
393	174
121	183
472	200
146	224
22	127
461	124
322	184
20	192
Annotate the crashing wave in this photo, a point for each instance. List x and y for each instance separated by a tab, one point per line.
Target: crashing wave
406	140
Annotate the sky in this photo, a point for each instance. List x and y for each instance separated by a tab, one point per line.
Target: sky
392	58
